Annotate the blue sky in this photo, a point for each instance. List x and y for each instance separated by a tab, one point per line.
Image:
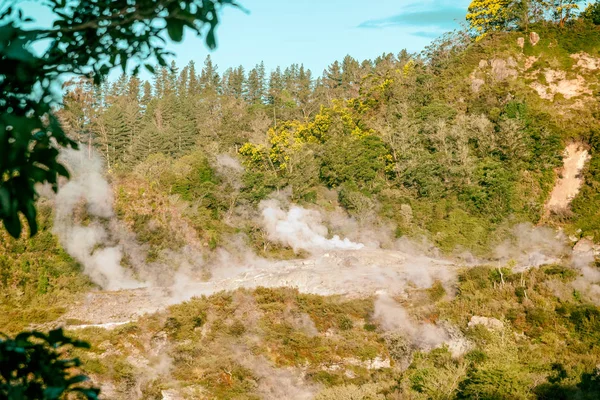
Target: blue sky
313	32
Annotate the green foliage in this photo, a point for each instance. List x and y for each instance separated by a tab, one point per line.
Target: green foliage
360	161
503	383
585	205
86	36
592	13
33	366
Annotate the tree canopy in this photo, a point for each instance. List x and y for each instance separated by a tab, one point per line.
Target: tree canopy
88	38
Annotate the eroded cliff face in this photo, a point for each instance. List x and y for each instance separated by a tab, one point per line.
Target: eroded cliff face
570	178
575	79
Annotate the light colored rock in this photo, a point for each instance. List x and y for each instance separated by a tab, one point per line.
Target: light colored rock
559	84
585	61
502	69
529	61
584	246
476	84
483	64
490	323
521	42
534	38
570	181
171	394
376	363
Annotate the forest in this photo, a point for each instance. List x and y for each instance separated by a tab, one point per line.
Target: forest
445	159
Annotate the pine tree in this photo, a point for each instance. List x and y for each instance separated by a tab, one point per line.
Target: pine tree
193	82
133	89
255	85
332	79
183	84
209	77
161	82
303	93
234	82
146	95
351	76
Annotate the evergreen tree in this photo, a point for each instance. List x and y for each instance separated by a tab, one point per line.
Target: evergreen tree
234	81
332	79
193	83
304	89
209	77
351	76
146	95
182	84
255	85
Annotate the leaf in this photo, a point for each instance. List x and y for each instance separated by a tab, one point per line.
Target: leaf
53	392
13	225
30	213
4	201
211	41
175	29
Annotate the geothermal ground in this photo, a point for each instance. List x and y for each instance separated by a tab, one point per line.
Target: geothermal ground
355	273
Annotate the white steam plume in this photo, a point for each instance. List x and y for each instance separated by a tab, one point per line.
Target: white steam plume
84	242
301	229
276	383
392	317
533	246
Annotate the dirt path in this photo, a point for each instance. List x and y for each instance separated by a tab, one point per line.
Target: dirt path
570	181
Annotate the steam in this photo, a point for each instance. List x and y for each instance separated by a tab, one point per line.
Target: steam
276	383
301	229
86	243
584	259
533	246
393	317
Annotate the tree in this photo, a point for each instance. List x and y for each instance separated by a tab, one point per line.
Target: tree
255	85
88	37
332	78
209	77
486	16
592	13
564	10
32	366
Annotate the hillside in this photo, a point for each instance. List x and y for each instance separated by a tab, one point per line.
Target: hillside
416	226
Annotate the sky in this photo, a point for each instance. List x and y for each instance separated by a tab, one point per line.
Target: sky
313	32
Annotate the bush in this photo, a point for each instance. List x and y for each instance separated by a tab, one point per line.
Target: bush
34	367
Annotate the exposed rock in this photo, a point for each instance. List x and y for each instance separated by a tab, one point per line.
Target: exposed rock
585	61
503	69
529	61
483	64
584	246
559	84
521	42
476	84
457	344
534	38
570	181
490	323
171	394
